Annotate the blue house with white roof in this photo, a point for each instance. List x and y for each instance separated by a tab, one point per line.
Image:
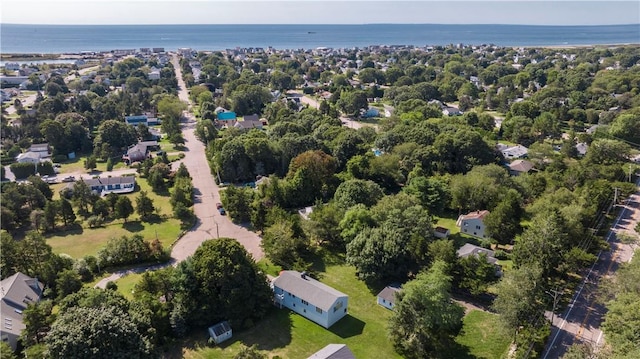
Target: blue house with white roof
308	297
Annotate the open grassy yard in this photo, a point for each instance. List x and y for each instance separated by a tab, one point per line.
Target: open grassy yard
481	335
290	335
84	241
81	240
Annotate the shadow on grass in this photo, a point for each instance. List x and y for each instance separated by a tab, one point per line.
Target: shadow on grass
347	327
458	351
72	229
135	226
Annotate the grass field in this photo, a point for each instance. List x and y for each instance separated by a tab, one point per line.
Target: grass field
290	335
480	334
81	240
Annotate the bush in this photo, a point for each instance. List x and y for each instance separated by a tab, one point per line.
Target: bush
46	168
59	158
109	165
501	255
22	170
95	221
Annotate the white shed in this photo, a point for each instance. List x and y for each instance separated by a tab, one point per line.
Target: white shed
220	332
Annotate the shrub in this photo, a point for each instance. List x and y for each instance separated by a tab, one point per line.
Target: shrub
95	221
22	170
501	255
59	158
46	168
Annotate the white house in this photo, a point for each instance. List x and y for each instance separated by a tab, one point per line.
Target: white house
16	293
308	297
118	185
513	152
333	351
387	297
472	250
220	332
519	167
472	224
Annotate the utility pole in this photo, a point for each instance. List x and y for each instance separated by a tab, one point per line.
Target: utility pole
555	294
629	172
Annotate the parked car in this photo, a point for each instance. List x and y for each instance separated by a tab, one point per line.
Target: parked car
220	209
69	179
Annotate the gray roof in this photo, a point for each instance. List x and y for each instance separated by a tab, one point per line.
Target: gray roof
110	180
470	249
308	289
389	293
333	351
220	328
16	293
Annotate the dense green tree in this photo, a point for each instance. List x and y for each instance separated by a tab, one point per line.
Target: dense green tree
353	192
351	102
123	208
66	212
68	282
323	224
432	192
227	275
380	253
144	205
518	300
82	196
282	246
425	321
475	274
37	319
503	222
104	332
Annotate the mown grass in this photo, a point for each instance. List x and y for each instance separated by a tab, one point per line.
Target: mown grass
81	240
482	336
290	335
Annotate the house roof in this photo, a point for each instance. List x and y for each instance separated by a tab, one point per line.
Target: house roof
248	124
226	116
333	351
475	215
441	230
389	293
220	328
515	151
521	166
110	181
308	289
470	249
16	293
253	117
39	147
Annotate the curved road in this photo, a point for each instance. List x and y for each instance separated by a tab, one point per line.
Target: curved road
209	223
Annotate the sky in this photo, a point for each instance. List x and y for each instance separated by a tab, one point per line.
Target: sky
533	12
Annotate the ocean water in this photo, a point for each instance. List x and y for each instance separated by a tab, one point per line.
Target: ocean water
76	38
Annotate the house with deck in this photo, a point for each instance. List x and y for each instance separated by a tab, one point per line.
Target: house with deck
310	298
16	293
472	224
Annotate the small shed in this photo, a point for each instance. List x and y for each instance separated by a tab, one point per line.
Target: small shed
220	332
441	232
387	297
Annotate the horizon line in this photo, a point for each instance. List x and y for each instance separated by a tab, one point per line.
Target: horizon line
326	24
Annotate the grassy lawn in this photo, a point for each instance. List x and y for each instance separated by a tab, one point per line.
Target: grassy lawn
84	241
289	335
126	284
81	241
480	336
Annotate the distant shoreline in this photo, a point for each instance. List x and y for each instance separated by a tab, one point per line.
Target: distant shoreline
26	57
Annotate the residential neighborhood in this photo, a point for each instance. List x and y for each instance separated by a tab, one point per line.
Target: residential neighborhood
317	203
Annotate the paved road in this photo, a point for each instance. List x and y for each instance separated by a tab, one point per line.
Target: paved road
26	102
583	317
210	224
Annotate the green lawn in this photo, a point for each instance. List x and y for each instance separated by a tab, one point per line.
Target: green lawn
82	241
481	335
290	335
126	284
